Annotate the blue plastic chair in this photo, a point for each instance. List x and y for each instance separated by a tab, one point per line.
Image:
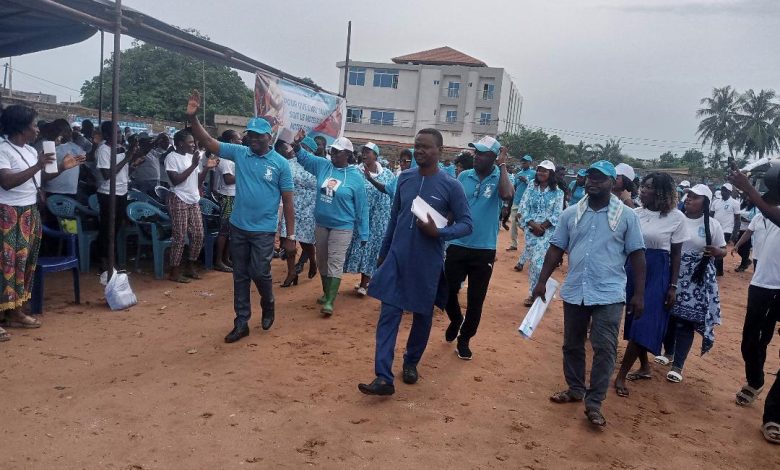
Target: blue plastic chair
135	195
51	264
211	220
64	207
162	193
150	232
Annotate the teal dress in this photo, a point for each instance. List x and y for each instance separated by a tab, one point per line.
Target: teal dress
362	259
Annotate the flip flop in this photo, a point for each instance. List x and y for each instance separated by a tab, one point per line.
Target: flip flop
634	376
596	418
222	268
564	397
4	336
771	432
26	322
747	395
621	391
674	376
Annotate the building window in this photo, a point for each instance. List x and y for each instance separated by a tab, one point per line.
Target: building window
487	91
357	76
386	78
354	115
453	90
435	82
484	119
382	118
452	116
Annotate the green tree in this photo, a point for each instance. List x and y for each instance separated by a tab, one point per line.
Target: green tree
610	150
156	82
719	124
668	160
758	122
581	153
693	158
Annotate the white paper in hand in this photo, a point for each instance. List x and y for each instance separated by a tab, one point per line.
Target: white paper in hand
50	147
422	209
536	312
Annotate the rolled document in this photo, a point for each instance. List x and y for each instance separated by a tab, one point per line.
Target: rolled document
422	210
536	312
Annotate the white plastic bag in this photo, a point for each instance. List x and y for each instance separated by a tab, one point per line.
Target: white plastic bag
536	312
119	295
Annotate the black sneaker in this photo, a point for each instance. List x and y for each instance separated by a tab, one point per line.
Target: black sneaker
463	350
377	387
237	333
410	374
268	319
452	332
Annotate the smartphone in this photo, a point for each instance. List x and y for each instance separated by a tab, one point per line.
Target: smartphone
732	164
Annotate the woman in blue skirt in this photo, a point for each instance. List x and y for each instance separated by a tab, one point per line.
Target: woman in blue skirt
664	231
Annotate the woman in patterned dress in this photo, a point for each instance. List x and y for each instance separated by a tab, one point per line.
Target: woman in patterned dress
362	258
305	190
541	206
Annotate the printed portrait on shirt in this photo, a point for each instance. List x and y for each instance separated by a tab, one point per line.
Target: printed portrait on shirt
329	188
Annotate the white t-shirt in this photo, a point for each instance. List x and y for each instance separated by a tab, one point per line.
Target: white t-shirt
103	156
188	191
759	226
225	167
767	273
697	237
660	232
725	212
26	193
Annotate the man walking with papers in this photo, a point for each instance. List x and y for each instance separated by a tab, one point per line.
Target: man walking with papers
410	276
487	186
599	233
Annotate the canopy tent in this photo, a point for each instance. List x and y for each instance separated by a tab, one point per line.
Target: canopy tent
34	25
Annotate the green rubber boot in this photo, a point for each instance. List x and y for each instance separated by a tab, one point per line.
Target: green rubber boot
325	284
333	291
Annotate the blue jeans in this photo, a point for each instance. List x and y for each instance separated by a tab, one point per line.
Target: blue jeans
386	334
604	321
251	253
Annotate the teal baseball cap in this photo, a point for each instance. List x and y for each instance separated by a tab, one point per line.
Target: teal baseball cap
604	167
373	147
582	172
309	143
527	158
259	126
487	144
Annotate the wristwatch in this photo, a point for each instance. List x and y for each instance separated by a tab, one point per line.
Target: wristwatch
291	237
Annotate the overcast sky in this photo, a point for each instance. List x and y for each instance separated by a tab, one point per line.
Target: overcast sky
634	68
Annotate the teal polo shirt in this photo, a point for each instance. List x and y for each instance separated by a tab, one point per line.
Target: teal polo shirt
485	205
260	182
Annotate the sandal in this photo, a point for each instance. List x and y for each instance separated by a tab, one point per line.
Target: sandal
4	336
674	377
565	397
596	418
663	360
771	432
528	302
25	321
747	395
621	391
634	376
223	268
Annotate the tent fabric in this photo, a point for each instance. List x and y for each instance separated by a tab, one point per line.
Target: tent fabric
34	25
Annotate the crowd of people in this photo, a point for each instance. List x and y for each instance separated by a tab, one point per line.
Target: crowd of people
643	252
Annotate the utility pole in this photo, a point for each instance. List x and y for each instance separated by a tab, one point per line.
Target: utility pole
204	91
346	63
5	76
10	76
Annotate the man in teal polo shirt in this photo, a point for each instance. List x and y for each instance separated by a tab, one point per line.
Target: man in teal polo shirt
522	177
263	177
487	186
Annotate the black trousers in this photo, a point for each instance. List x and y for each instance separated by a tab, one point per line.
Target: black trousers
103	234
772	403
744	251
477	266
719	261
763	313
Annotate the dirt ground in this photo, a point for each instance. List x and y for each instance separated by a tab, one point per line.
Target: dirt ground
155	387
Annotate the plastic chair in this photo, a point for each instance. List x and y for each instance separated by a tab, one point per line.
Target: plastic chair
211	220
150	232
135	195
93	203
51	264
64	207
162	193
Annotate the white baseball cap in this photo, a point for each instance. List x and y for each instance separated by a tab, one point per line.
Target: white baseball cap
373	147
728	186
701	190
625	170
487	144
547	164
342	143
685	184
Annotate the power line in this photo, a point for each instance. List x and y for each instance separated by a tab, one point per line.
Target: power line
45	80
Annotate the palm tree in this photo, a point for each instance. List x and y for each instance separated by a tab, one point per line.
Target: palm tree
719	125
758	121
611	151
580	153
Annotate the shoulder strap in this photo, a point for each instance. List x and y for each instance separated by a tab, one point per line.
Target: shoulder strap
38	188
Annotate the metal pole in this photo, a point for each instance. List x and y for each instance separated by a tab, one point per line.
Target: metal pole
5	76
100	90
10	76
204	91
346	63
115	130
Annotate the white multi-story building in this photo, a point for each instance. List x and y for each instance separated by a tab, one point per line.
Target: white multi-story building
441	88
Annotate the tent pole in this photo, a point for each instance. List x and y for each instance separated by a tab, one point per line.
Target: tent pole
115	131
100	91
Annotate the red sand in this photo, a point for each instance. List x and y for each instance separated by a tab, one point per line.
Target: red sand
155	387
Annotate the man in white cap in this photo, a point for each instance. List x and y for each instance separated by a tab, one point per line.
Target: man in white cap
726	211
624	184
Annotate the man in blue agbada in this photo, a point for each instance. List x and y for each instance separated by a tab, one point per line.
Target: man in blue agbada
410	276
